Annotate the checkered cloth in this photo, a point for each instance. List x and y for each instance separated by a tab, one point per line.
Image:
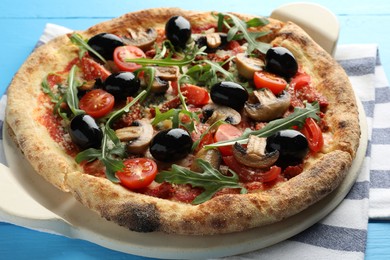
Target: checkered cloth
343	233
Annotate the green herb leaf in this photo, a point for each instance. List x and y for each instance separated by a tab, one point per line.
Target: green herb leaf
71	93
83	45
257	21
189	56
211	180
241	27
295	119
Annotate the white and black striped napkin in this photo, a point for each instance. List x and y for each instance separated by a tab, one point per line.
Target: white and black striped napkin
343	233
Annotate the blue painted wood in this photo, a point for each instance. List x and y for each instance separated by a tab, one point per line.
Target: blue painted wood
22	22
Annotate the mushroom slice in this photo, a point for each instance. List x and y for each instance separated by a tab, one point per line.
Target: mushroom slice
141	39
263	105
213	112
213	156
158	85
213	40
141	144
254	155
247	66
128	133
169	73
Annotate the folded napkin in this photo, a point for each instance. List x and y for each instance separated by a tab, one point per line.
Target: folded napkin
343	233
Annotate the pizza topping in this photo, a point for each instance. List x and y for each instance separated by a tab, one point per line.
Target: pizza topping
296	119
168	73
211	180
229	94
212	40
213	113
141	39
104	44
111	149
313	135
263	79
238	30
255	154
97	103
263	105
137	173
178	31
213	156
84	132
226	132
141	143
291	144
122	53
247	66
281	61
122	85
171	145
84	47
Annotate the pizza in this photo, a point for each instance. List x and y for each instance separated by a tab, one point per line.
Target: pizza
193	123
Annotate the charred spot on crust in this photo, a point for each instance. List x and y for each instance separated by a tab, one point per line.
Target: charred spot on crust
139	218
342	124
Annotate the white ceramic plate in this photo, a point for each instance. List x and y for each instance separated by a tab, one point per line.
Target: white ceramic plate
28	200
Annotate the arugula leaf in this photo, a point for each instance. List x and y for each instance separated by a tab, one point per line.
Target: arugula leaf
297	118
189	56
57	99
211	180
239	30
76	39
71	93
173	115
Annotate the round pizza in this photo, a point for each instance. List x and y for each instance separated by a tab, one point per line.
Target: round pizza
194	123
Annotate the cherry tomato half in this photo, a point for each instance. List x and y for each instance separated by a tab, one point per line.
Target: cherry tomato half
313	135
93	70
300	80
252	174
138	173
97	103
122	53
271	81
226	132
195	95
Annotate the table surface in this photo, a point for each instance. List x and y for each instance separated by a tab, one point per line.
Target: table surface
22	22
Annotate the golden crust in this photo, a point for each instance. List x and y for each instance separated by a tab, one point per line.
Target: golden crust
223	214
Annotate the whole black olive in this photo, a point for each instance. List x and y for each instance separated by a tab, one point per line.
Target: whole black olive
291	144
171	145
105	44
281	61
122	85
178	31
84	132
229	94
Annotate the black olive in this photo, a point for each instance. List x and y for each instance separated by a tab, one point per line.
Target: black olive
229	94
171	145
178	31
291	144
105	44
122	85
281	61
84	132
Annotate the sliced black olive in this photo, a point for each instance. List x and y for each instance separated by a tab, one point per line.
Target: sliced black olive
122	85
171	145
281	61
229	94
178	31
105	44
84	132
291	144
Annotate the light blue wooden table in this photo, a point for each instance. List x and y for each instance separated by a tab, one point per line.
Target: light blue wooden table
22	22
